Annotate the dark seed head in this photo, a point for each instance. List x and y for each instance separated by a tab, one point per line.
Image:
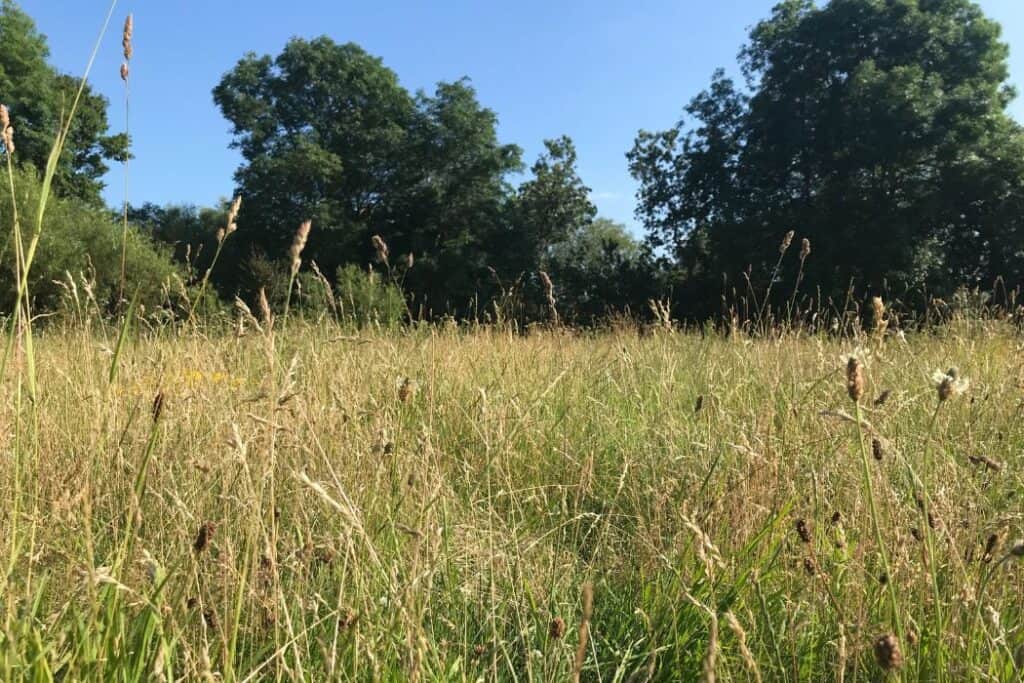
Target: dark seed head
158	405
990	547
206	530
882	398
557	628
887	652
803	531
876	449
810	567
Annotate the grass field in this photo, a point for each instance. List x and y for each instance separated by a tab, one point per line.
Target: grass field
469	504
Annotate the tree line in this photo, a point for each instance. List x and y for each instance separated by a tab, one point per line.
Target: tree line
873	132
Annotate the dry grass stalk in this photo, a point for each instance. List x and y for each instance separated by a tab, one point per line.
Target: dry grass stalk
741	636
581	648
549	294
266	317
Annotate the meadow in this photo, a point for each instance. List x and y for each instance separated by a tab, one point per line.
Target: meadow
299	502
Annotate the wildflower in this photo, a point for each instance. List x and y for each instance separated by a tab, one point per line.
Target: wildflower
949	384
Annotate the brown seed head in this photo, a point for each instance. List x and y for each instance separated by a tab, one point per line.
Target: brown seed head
876	448
882	398
990	548
557	628
855	379
158	405
887	652
202	541
126	36
5	117
124	71
803	531
406	391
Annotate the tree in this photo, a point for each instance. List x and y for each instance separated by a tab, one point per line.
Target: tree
328	134
549	207
600	269
38	96
876	129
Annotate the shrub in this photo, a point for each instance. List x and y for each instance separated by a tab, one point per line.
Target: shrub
76	239
365	298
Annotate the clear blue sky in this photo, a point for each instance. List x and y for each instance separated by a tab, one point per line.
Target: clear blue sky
597	70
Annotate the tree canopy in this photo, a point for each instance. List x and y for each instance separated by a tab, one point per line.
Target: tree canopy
38	96
876	128
328	133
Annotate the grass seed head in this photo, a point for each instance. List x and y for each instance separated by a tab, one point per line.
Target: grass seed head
557	628
298	244
786	241
126	36
202	541
381	249
805	248
887	652
876	449
803	531
855	379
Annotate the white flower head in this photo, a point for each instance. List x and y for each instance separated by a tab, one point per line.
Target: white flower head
949	384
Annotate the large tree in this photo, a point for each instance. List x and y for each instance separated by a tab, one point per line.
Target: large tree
39	96
876	128
327	133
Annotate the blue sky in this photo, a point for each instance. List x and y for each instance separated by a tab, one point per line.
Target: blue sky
597	70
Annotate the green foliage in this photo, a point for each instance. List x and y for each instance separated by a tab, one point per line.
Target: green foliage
80	240
878	130
426	172
600	269
38	96
365	298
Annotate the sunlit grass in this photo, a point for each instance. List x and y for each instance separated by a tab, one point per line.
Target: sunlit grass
359	526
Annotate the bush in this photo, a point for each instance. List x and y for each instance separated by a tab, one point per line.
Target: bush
364	298
80	240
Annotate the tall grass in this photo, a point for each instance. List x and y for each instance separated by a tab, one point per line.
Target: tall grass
467	503
428	504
